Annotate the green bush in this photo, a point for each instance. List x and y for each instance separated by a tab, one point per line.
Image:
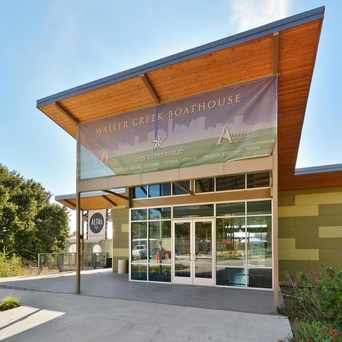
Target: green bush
314	306
316	299
10	266
316	331
9	302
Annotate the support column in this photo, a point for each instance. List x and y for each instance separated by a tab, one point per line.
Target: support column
78	218
275	261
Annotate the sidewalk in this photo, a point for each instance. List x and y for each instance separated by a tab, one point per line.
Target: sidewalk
91	319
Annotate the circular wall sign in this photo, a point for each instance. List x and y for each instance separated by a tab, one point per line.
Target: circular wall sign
96	223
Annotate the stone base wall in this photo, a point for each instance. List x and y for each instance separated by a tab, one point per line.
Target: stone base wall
310	230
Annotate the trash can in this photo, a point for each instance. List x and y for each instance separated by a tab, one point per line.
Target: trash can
122	266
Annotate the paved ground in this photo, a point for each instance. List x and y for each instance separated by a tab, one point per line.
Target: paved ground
109	285
99	319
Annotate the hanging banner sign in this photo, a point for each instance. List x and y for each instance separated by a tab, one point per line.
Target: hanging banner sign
231	123
96	225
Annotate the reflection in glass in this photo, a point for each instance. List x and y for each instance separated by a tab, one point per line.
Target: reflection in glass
204	185
257	180
160	251
138	214
203	250
182	249
157	190
231	276
230	241
159	213
260	277
259	208
181	187
139	241
259	241
139	191
230	209
230	251
194	211
138	272
230	182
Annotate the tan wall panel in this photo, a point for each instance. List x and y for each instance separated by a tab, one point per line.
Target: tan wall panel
310	230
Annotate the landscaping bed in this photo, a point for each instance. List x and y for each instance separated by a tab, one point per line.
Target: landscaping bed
8	303
314	307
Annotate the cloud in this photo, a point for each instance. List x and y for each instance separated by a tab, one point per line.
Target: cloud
247	14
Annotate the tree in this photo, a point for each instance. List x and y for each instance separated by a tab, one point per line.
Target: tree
29	223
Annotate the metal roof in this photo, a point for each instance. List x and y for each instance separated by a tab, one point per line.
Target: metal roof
318	169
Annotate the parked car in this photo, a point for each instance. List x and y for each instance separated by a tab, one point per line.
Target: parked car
139	252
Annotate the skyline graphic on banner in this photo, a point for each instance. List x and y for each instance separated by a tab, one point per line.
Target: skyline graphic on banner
230	123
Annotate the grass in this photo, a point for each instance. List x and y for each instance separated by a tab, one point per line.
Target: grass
9	302
10	266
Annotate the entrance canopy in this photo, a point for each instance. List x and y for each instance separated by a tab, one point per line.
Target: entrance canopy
95	200
286	48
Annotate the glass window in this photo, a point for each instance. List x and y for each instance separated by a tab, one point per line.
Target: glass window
230	276
139	191
193	211
204	185
230	182
257	180
230	241
138	214
138	272
230	251
230	209
260	277
139	241
159	213
160	251
182	249
259	208
139	250
181	187
259	241
157	190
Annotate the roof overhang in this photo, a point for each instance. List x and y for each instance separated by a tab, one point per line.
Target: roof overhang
95	200
239	58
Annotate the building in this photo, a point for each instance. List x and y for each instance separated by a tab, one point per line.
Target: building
195	156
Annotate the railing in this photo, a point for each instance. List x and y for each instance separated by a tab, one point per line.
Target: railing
63	262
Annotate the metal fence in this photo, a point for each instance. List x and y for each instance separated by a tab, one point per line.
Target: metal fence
63	262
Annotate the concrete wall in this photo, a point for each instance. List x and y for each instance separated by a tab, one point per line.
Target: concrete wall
310	230
120	235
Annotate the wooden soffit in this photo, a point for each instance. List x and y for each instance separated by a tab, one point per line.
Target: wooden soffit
243	57
95	200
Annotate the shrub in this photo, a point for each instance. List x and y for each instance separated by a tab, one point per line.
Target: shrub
10	266
316	299
315	331
314	306
9	302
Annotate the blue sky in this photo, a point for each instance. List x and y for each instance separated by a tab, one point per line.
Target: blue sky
49	46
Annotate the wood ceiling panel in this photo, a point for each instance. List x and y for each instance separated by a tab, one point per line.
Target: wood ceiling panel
298	47
214	70
95	202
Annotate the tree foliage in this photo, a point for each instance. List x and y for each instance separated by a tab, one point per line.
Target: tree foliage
29	223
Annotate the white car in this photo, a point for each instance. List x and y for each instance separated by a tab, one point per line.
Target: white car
139	251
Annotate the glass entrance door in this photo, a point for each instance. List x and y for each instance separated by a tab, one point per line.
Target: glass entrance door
193	261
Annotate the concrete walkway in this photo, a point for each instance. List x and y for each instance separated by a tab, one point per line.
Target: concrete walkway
99	319
106	284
